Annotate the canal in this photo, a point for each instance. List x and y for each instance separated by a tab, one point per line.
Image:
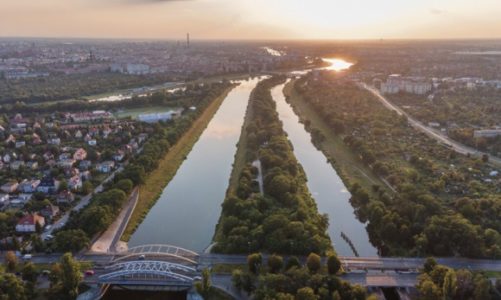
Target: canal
188	209
330	193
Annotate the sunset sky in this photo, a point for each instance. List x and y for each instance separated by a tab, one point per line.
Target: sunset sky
252	19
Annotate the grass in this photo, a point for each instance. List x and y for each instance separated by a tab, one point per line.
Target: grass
167	167
347	164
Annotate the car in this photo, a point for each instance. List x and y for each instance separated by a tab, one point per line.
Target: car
142	257
27	257
50	237
89	273
45	272
48	227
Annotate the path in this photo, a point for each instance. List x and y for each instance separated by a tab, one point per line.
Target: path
257	164
107	242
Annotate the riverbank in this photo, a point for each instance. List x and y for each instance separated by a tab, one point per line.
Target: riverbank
348	166
156	181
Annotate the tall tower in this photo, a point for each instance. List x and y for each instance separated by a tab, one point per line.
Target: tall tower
188	40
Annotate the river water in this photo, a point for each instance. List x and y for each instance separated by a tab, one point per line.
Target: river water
189	207
187	212
329	191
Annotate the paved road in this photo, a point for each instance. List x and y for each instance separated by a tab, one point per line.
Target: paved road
84	201
437	135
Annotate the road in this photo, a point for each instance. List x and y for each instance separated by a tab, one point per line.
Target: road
84	201
440	137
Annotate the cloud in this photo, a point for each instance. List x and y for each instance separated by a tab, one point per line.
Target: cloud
436	11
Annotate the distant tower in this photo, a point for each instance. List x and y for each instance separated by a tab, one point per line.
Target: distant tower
188	40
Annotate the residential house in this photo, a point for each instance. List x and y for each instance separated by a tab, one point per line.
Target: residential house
50	211
48	185
29	186
16	165
119	156
66	163
75	183
85	164
9	187
80	154
105	167
92	142
4	199
28	223
48	156
20	144
54	141
65	197
32	165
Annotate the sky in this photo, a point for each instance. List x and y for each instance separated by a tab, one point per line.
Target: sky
252	19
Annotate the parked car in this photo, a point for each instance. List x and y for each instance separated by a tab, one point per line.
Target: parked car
89	273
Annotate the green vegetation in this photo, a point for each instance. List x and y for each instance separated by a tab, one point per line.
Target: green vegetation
441	205
441	282
166	163
293	281
460	111
283	220
65	278
73	86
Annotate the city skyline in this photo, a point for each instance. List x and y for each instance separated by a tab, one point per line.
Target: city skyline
259	19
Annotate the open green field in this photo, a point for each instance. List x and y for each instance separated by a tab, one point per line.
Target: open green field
347	164
156	181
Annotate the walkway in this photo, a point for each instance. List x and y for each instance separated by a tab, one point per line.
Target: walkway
107	242
259	179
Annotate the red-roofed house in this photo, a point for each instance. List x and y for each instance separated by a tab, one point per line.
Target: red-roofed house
28	223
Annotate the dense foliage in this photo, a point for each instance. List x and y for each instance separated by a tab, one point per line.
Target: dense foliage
293	281
72	86
285	219
442	203
441	282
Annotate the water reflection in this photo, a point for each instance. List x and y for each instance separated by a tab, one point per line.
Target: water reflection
337	64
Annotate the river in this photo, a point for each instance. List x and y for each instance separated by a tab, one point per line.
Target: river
325	185
188	209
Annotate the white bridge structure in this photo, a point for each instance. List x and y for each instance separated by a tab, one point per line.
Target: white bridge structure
157	265
165	252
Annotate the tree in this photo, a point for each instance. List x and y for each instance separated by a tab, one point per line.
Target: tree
254	262
70	276
429	265
11	287
429	290
87	187
204	286
313	262
292	262
485	158
333	264
29	272
275	263
71	240
125	185
482	288
450	285
11	261
305	293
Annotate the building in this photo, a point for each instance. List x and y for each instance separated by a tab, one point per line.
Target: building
29	186
9	187
50	211
487	133
65	197
396	83
156	117
105	167
28	223
75	182
80	154
48	185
